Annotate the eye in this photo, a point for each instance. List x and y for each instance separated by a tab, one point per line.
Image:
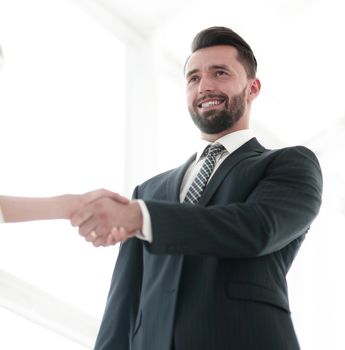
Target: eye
193	79
220	73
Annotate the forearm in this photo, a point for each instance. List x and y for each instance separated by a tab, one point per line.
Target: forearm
276	213
234	231
15	209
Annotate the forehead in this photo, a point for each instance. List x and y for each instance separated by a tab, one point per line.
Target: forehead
212	56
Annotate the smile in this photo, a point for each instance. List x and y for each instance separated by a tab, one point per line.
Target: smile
210	103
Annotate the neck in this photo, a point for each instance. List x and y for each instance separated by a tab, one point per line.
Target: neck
215	137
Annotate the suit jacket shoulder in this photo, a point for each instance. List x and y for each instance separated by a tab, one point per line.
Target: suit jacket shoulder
258	202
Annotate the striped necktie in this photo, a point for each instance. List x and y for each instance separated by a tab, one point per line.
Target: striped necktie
198	185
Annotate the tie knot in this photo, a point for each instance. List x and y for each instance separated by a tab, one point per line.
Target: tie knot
214	150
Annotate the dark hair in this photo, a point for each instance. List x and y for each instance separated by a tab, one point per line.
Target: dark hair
225	36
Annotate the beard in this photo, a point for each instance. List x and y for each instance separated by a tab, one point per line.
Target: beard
216	121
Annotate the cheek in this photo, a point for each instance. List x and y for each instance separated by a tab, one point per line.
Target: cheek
190	97
189	100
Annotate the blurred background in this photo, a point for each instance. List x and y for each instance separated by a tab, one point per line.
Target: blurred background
89	91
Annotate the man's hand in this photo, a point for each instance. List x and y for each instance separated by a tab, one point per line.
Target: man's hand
91	196
73	203
106	221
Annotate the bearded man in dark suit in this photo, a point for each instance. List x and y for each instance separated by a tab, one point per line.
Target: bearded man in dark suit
206	247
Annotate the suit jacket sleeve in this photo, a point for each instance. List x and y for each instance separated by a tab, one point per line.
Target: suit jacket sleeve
123	299
277	211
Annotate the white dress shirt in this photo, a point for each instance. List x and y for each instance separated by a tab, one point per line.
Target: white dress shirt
231	142
1	217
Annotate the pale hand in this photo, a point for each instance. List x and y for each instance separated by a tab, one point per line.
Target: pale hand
106	221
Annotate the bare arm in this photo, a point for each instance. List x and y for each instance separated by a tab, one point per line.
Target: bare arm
16	209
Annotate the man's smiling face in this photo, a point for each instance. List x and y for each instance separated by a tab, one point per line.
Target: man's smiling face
217	89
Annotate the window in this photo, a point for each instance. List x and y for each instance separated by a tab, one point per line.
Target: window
62	113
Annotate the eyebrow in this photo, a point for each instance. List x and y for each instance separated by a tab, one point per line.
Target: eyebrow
191	72
220	66
214	67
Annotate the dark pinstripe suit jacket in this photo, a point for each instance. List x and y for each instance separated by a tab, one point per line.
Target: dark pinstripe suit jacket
214	277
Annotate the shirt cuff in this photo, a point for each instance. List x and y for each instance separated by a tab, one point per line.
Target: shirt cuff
1	217
146	232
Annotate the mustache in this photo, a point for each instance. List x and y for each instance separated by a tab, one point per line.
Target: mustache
210	96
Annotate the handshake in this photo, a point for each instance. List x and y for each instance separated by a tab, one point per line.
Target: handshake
104	218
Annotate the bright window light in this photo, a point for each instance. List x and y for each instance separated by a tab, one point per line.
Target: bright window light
62	93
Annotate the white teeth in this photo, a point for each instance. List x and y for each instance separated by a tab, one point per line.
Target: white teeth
210	103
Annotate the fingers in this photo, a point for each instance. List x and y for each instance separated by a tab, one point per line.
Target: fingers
81	216
120	199
96	194
96	220
121	234
98	240
99	193
82	213
117	234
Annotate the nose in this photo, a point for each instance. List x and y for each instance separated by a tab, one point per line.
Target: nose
206	85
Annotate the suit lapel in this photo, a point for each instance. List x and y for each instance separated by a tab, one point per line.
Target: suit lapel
249	149
175	180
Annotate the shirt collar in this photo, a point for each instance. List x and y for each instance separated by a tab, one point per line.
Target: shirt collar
231	141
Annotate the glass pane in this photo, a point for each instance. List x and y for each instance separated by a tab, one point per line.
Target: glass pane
62	93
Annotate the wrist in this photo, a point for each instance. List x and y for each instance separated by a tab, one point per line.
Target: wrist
137	215
68	204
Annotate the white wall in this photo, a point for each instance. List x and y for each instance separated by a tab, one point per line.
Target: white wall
88	102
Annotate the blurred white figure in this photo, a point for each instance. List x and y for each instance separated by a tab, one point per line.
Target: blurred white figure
1	58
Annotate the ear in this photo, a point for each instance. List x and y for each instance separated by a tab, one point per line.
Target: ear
254	88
